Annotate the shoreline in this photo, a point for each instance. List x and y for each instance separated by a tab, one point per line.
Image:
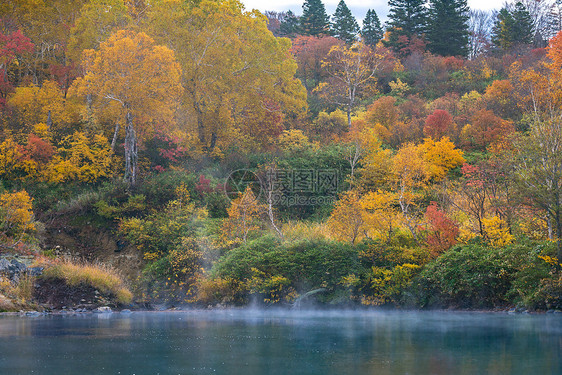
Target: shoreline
108	311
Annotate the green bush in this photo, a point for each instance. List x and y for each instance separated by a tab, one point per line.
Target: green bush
536	283
302	266
469	276
476	276
161	188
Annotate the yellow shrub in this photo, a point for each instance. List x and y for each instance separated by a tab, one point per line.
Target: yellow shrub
294	140
497	232
387	285
275	288
218	290
81	158
16	214
13	163
16	294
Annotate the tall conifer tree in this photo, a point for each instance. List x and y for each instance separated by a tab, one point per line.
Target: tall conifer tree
447	32
512	28
523	25
314	19
409	16
344	25
372	29
290	25
407	21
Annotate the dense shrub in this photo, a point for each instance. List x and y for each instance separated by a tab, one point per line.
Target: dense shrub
266	264
467	276
475	276
161	188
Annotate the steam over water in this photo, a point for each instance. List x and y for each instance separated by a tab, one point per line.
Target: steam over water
251	342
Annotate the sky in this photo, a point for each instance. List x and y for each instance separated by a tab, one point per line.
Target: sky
358	7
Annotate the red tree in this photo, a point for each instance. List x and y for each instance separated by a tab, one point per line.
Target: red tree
309	51
486	128
438	124
442	232
11	46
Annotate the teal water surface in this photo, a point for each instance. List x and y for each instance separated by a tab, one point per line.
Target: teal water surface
249	342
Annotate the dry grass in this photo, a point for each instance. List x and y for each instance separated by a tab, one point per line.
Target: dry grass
300	230
14	295
6	304
103	278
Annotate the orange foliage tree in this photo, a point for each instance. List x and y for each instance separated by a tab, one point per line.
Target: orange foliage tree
499	98
309	51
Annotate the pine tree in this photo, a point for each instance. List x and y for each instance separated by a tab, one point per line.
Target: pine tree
512	28
501	32
447	33
314	20
344	25
523	25
409	16
372	30
289	25
407	23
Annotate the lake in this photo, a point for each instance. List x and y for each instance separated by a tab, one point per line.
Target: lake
249	342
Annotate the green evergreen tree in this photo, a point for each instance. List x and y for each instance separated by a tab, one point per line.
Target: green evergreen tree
314	20
372	29
344	25
407	22
523	25
501	32
512	28
289	25
409	16
447	33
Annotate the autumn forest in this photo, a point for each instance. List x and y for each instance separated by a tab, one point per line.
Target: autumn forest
193	152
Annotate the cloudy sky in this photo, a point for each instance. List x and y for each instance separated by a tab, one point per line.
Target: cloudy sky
358	7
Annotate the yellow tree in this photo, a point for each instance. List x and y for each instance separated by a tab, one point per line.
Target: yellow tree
441	156
80	158
235	72
98	20
13	163
352	71
537	160
376	161
45	104
139	77
347	220
243	216
410	172
16	216
380	215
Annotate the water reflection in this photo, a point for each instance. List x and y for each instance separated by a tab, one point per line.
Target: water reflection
282	342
